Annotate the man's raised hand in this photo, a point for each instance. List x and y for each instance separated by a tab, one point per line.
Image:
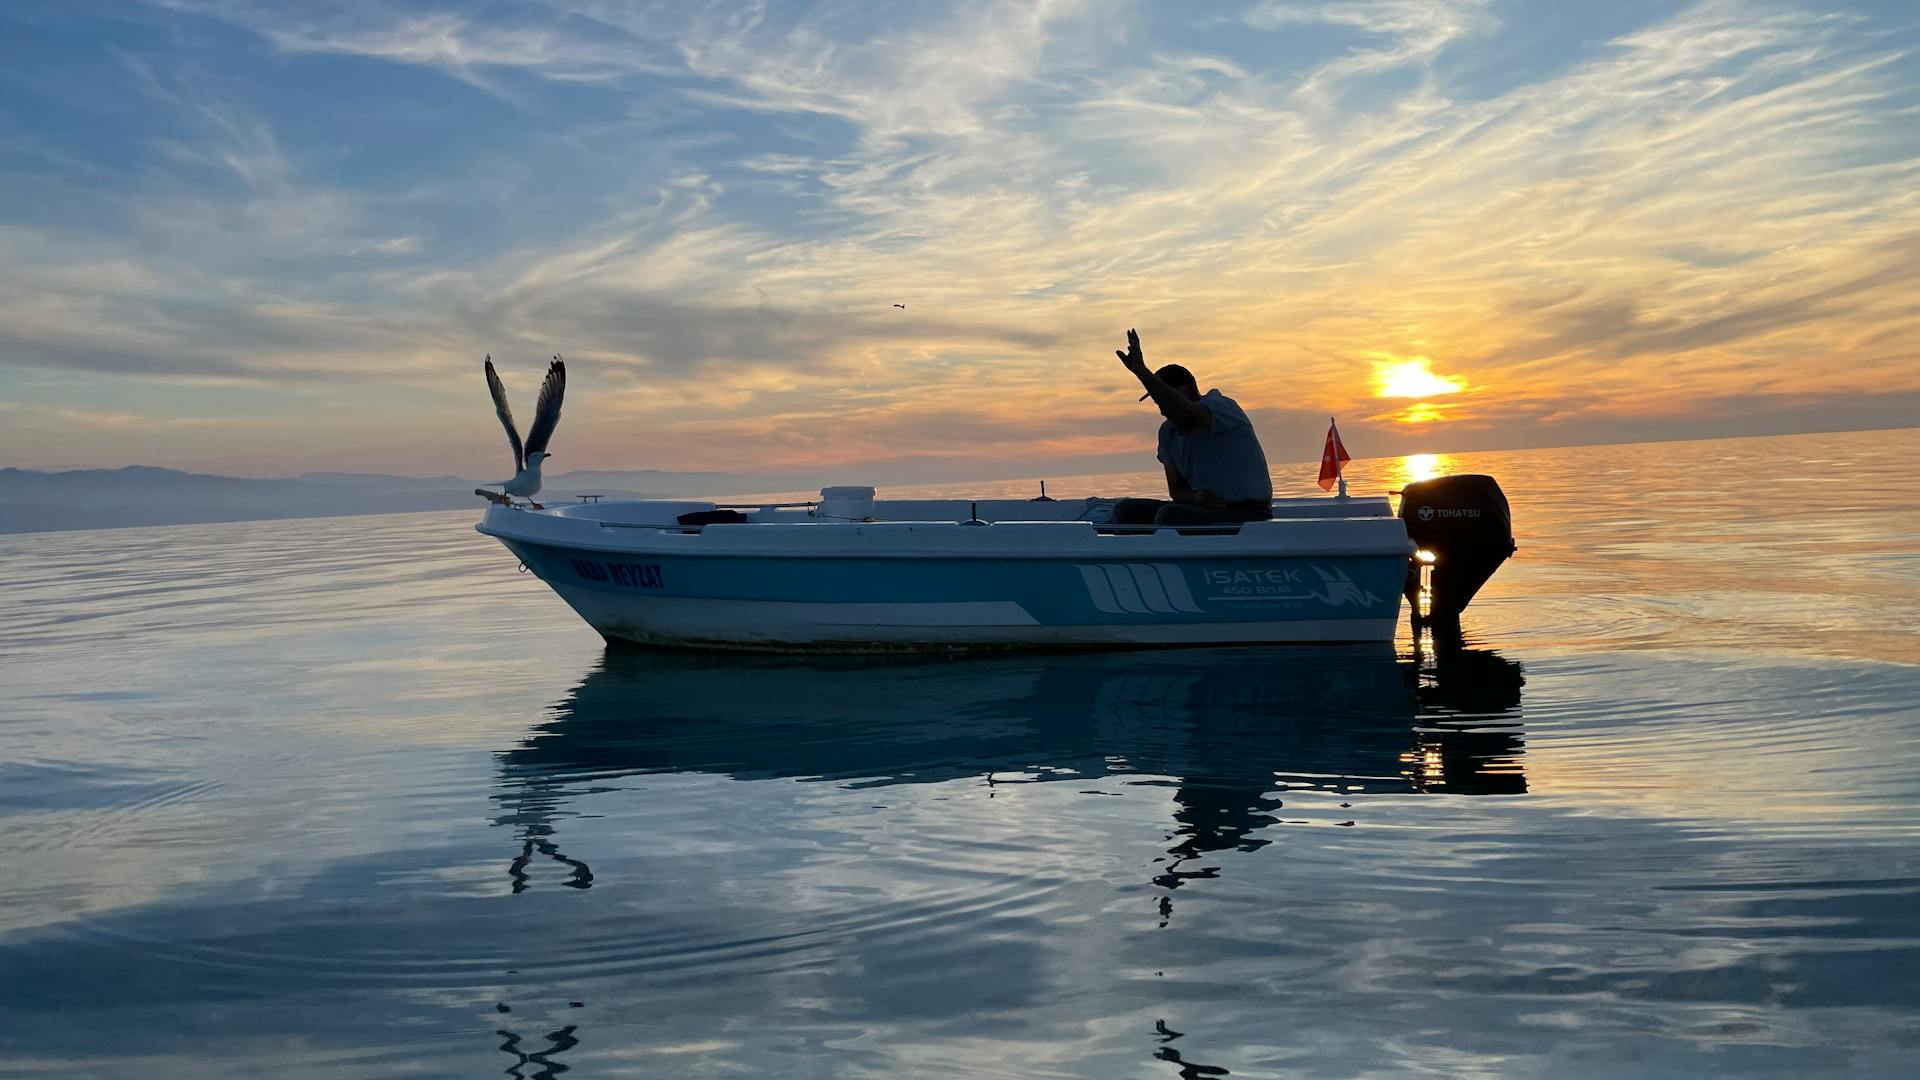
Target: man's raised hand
1132	358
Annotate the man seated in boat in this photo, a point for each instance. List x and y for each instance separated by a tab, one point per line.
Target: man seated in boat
1216	471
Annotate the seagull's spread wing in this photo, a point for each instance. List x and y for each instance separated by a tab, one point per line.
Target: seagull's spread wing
499	393
546	412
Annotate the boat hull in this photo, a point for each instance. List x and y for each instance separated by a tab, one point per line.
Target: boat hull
866	602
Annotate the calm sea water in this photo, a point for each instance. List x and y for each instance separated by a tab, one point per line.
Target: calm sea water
352	797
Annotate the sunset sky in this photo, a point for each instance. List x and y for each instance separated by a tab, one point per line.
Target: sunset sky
266	237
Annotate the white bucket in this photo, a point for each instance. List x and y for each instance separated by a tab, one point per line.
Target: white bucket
845	503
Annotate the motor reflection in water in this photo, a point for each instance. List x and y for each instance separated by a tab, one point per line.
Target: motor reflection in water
1229	730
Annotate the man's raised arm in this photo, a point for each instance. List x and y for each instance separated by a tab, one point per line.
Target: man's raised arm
1174	405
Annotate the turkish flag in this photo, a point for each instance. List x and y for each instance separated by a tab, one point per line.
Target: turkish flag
1332	457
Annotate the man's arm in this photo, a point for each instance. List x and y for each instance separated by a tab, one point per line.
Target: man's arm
1177	488
1173	404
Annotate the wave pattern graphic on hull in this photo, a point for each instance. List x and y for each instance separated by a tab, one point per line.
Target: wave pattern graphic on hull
1138	588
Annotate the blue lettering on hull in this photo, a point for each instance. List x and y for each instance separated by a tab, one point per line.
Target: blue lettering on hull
629	575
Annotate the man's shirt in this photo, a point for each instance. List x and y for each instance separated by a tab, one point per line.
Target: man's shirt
1225	460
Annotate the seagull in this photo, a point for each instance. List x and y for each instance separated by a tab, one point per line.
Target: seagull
546	415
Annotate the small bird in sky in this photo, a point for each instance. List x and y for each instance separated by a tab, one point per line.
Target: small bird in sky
902	307
546	416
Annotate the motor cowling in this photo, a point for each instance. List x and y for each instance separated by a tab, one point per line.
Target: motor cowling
1464	522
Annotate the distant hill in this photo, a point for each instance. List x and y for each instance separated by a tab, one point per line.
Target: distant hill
36	501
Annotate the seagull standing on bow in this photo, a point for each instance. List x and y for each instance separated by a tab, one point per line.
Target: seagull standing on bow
546	415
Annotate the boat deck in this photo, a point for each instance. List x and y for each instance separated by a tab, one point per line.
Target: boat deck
921	529
665	513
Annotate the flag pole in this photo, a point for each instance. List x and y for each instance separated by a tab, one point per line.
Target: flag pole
1339	467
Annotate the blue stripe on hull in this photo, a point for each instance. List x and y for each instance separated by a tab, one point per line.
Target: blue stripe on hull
1106	593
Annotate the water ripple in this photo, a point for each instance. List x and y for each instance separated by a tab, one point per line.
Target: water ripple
365	801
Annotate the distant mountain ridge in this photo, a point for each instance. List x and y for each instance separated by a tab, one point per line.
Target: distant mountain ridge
32	500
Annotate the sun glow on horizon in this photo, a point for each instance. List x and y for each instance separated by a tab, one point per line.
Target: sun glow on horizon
1412	378
1420	412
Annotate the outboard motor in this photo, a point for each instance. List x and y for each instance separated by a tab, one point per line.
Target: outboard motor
1465	524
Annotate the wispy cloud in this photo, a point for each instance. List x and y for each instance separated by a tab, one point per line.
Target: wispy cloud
106	419
714	210
1396	33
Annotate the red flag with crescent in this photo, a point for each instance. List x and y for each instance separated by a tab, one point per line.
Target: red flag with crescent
1332	457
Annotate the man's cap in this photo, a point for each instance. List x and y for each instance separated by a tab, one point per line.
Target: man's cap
1174	375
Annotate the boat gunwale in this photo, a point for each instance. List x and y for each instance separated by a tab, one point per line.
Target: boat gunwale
1241	550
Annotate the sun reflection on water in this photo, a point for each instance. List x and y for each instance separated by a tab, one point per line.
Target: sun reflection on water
1415	467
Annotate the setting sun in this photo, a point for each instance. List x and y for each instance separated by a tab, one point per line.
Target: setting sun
1411	378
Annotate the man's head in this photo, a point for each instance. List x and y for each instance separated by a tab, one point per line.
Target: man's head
1180	379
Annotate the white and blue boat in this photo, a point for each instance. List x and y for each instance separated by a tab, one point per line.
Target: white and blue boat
847	572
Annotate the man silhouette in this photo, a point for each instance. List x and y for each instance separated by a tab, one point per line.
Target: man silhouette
1216	471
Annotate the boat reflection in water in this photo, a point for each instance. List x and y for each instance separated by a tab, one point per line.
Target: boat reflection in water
1227	730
